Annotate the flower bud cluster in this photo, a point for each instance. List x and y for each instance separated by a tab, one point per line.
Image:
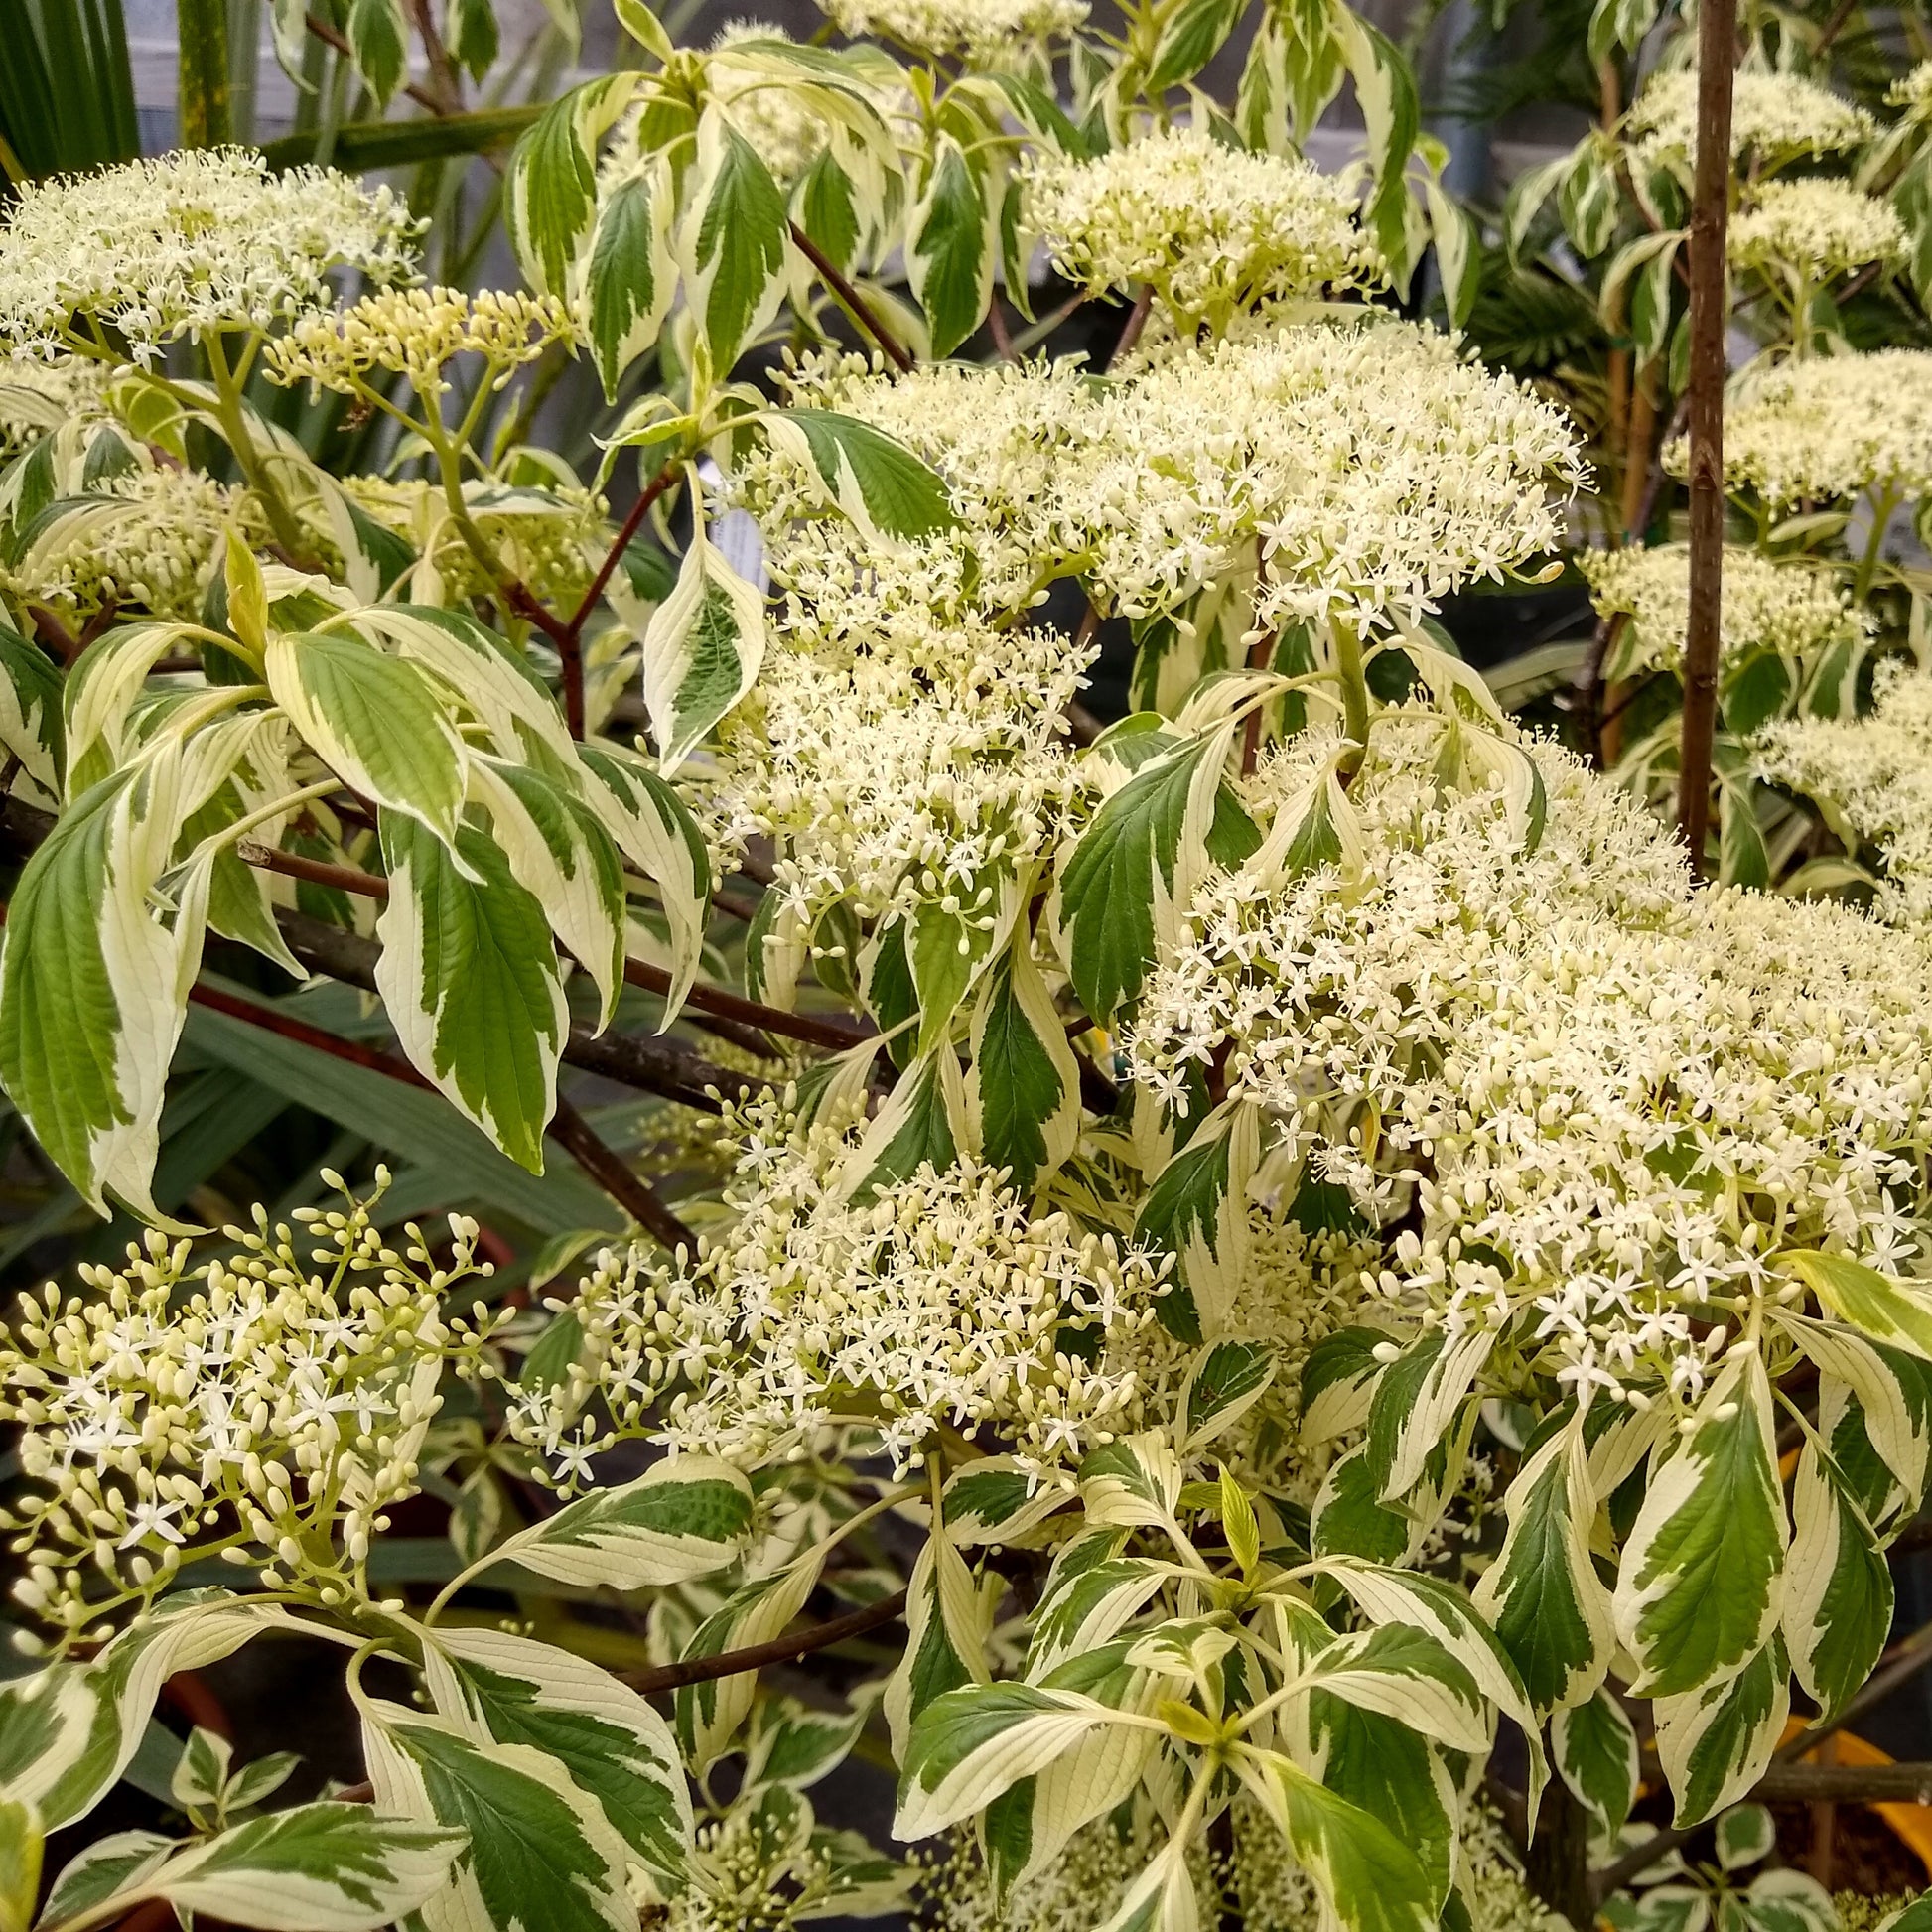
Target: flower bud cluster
1819	227
267	1406
417	333
147	540
1827	427
1776	118
979	30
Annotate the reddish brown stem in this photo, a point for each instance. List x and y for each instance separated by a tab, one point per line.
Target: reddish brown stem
317	872
271	1021
635	1195
1710	315
899	356
832	1034
1129	337
67	647
325	33
780	1650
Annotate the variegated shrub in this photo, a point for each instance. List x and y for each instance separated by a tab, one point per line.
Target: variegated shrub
1256	1249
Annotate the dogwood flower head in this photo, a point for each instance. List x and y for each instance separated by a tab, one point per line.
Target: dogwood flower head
980	30
1827	426
1373	465
1873	778
1796	610
940	1299
273	1401
1606	1096
1211	229
1775	116
931	762
417	333
1821	226
192	242
146	540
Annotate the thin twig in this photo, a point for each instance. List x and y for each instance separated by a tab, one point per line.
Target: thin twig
780	1650
322	30
854	303
67	647
1136	321
635	1194
568	1128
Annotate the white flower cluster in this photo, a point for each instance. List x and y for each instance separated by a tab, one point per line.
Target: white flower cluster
1796	610
1775	116
270	1402
1829	425
938	1302
980	30
1820	226
1607	1097
416	333
1375	466
146	540
195	240
1873	777
911	770
1211	229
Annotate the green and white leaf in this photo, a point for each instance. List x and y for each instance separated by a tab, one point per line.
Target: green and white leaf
320	1867
1196	1211
374	720
734	240
1367	1879
606	1737
886	493
471	979
1701	1584
561	855
1405	1673
1542	1594
1022	1088
951	245
947	1621
972	1744
702	651
1594	1747
709	1713
541	1851
630	276
550	199
1121	885
1838	1596
655	831
685	1517
1715	1742
95	971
